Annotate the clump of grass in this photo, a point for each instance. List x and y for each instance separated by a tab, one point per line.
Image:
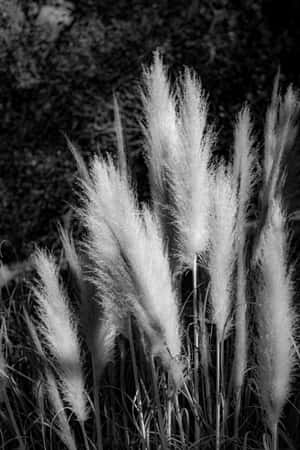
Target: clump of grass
129	272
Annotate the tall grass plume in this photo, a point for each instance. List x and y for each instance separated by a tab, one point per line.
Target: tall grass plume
59	331
132	270
276	319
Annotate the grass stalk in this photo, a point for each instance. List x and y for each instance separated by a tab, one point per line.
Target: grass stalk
179	421
161	426
196	344
275	436
245	169
237	409
169	418
84	434
41	406
137	385
191	401
97	406
123	392
218	393
240	359
205	358
13	420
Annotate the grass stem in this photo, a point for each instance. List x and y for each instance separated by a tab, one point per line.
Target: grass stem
97	407
275	436
218	393
205	357
179	421
161	427
196	344
137	385
13	420
85	438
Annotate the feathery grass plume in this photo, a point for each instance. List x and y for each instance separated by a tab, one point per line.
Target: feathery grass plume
221	260
179	145
276	318
162	124
190	169
244	173
163	142
59	330
280	133
50	388
221	257
131	268
245	164
285	134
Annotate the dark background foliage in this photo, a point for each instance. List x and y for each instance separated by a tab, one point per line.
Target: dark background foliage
56	80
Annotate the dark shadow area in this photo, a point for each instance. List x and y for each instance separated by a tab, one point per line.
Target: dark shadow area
58	76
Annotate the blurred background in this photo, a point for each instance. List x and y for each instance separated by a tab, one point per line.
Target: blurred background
61	62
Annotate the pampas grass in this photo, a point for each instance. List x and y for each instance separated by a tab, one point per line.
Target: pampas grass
162	292
163	142
221	261
131	272
280	134
179	144
276	320
59	332
191	181
245	170
222	248
178	153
